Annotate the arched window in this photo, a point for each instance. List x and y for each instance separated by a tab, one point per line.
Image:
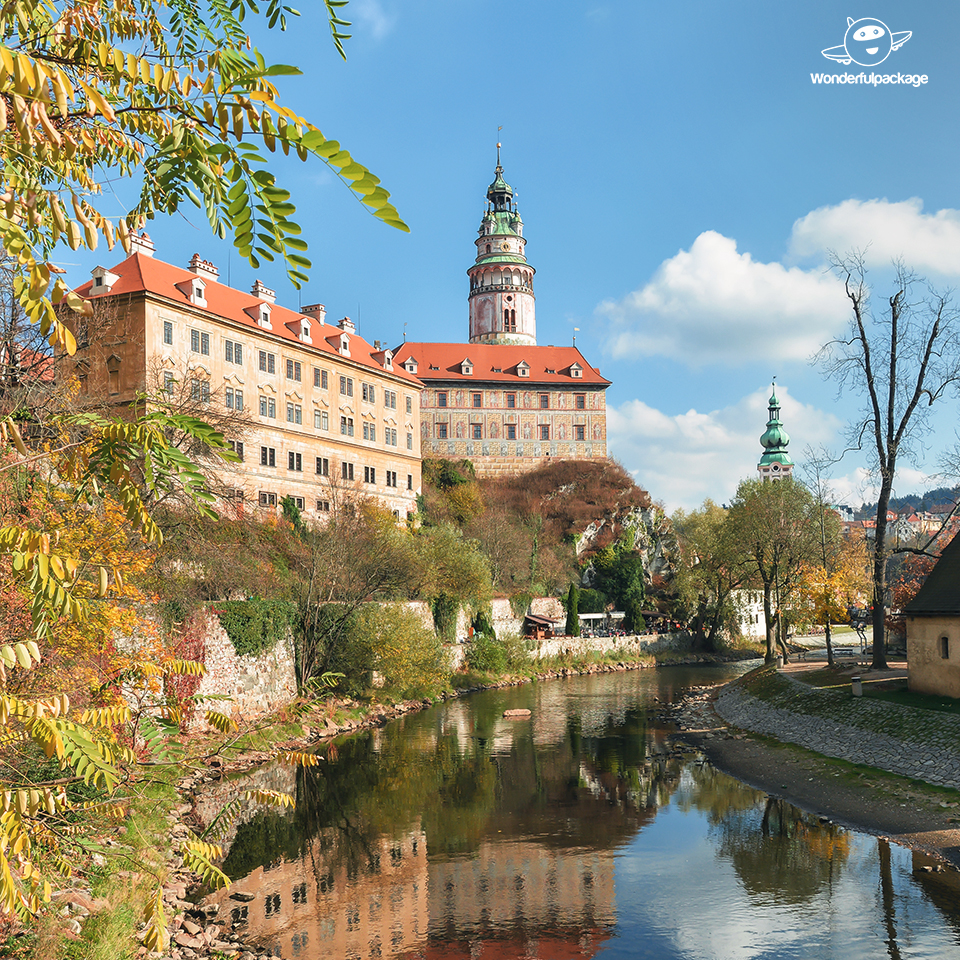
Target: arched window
488	248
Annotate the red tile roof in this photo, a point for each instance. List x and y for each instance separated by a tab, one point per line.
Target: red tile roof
498	362
139	273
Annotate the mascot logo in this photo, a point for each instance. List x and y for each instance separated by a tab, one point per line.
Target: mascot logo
867	42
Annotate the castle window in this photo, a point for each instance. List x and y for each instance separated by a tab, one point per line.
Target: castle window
579	432
441	398
510	431
268	456
511	400
200	342
321	420
346	470
944	648
476	431
323	467
478	400
580	401
295	461
544	401
544	431
441	431
168	331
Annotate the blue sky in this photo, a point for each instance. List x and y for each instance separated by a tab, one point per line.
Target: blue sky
680	179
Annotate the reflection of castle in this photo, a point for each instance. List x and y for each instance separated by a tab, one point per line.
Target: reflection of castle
327	905
521	884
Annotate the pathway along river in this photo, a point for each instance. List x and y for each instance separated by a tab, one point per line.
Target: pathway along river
583	831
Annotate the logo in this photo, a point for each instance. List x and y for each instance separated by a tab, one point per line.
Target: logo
867	42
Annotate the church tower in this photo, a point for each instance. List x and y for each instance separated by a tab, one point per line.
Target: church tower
502	304
775	464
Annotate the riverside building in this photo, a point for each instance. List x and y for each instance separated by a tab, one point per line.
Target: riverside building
312	409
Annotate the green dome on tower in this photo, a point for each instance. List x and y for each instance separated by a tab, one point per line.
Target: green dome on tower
775	439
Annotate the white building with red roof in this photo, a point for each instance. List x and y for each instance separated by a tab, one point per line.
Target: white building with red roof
319	413
501	400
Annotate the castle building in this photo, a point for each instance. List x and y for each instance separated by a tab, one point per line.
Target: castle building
501	400
775	463
313	411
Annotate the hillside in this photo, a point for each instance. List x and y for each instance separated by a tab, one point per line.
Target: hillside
540	530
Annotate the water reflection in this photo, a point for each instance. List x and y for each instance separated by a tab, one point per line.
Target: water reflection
457	833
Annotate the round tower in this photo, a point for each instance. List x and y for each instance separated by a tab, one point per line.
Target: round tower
502	304
775	464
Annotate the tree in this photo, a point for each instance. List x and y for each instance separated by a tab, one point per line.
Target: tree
572	628
774	524
903	361
176	96
713	567
177	99
831	584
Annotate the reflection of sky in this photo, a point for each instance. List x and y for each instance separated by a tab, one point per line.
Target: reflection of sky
677	898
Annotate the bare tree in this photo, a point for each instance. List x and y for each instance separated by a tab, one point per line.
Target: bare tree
902	361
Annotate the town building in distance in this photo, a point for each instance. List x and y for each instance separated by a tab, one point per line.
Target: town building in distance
501	400
313	411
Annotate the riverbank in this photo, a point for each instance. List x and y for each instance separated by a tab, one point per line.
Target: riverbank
196	933
831	759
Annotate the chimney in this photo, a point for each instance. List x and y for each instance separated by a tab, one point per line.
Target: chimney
315	311
262	292
347	325
376	345
203	268
141	243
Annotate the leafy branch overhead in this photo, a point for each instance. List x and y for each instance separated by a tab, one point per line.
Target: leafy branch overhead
171	92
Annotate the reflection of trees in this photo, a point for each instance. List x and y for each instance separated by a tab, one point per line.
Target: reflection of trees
789	855
714	793
420	770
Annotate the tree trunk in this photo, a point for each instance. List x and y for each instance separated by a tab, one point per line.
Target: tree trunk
769	622
828	638
879	661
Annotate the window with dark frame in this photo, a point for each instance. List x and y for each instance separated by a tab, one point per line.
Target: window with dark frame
268	456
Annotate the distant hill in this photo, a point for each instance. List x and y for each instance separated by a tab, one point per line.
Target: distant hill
915	502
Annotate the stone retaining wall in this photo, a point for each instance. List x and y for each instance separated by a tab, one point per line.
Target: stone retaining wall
258	685
931	753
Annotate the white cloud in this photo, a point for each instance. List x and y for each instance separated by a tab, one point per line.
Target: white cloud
376	21
684	459
927	242
713	304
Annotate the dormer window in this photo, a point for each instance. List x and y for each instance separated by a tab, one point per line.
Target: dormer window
261	314
194	290
387	359
103	280
576	371
466	368
523	369
305	331
410	365
344	345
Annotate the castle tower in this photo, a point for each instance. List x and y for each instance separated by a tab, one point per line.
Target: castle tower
775	464
502	304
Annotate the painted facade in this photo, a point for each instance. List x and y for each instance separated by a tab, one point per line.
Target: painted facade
502	401
313	410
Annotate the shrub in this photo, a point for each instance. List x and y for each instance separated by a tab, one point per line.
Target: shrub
487	654
254	626
408	655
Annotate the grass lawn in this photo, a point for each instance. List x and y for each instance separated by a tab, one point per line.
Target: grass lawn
895	691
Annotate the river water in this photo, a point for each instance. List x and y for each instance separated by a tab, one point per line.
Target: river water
582	831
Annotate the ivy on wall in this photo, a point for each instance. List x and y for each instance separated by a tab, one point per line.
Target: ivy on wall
255	625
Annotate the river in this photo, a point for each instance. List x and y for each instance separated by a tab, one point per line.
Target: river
586	830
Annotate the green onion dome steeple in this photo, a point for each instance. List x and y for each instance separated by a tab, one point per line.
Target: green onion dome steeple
775	439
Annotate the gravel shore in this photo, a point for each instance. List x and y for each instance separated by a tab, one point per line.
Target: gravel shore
734	730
